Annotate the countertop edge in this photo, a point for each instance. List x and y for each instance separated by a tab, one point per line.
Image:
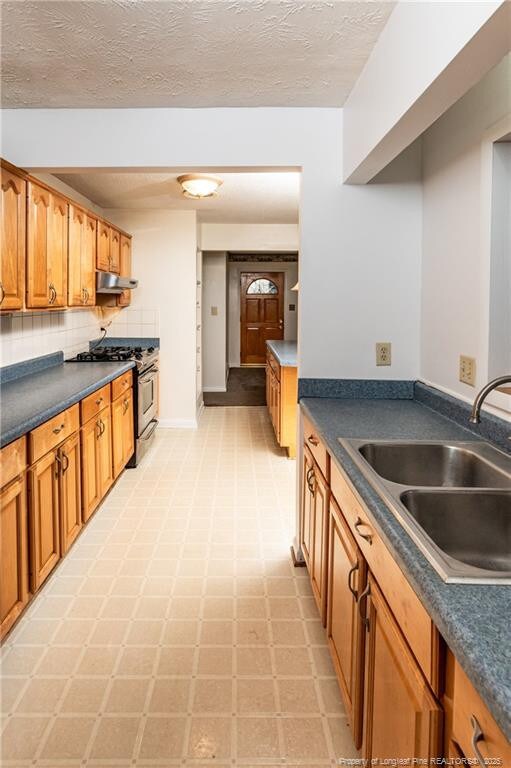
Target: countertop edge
283	359
41	416
497	705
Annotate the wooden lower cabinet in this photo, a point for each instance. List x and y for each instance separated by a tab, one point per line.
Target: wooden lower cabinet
13	553
44	525
402	719
314	528
123	442
70	491
281	399
96	461
347	574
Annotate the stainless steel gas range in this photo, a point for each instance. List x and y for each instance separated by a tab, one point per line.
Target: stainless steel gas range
145	388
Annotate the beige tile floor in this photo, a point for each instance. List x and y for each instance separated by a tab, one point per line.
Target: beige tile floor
177	632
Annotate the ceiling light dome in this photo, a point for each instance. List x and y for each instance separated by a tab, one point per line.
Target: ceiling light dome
198	185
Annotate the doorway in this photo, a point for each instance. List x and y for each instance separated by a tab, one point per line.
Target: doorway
261	314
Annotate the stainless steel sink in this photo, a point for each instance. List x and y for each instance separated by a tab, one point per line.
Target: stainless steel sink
433	464
473	527
453	498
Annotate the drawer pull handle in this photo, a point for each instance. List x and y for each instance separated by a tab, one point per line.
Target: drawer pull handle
354	592
367	536
477	736
2	293
313	440
362	600
99	400
65	465
126	405
58	429
310	478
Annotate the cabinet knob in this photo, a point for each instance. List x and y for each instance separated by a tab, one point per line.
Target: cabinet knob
58	429
313	440
99	400
367	536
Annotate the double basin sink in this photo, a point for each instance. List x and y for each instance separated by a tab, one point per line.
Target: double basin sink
453	498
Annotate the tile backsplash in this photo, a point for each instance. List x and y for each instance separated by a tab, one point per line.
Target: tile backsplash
25	335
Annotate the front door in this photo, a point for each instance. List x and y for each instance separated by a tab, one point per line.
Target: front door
262	314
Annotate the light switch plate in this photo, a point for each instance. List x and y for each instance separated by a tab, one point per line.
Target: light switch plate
468	370
383	353
214	310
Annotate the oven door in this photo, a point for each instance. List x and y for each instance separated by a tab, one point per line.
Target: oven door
147	398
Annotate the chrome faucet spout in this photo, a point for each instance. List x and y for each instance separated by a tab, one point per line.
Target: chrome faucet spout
475	416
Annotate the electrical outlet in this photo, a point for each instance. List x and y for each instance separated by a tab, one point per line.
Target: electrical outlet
468	370
214	311
383	353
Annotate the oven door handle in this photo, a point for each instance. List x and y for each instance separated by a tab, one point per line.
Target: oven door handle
150	430
149	375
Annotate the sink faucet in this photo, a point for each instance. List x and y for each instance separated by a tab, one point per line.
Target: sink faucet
475	416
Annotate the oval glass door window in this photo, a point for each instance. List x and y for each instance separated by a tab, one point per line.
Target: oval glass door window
262	285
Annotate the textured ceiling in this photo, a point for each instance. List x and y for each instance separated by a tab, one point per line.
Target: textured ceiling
185	53
251	198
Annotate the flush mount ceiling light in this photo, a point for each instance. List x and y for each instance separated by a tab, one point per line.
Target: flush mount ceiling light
198	185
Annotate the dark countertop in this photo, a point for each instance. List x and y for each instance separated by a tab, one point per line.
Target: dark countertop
31	400
473	619
285	352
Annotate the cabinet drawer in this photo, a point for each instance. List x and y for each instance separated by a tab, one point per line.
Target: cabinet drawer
13	459
470	712
313	442
270	360
121	384
93	404
412	617
53	432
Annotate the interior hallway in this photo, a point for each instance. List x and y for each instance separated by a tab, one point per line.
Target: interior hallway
245	386
176	631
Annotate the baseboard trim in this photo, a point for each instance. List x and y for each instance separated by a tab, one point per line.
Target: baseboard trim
177	424
214	389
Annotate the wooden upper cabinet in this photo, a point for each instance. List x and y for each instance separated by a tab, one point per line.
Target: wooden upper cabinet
402	719
82	258
125	269
12	256
103	247
13	553
47	241
115	250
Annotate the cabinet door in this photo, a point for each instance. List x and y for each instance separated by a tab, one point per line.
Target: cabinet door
13	224
13	553
38	236
306	508
81	258
345	631
70	496
91	483
57	250
115	250
402	718
43	519
103	247
105	464
125	269
319	532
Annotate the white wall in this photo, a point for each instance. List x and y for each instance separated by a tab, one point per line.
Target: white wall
359	246
427	56
214	327
250	237
456	246
164	262
499	356
235	268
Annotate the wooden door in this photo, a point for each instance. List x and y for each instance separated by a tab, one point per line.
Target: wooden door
105	464
82	258
402	718
91	483
319	532
306	508
125	269
103	247
43	519
115	250
13	553
70	496
346	635
13	223
262	314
